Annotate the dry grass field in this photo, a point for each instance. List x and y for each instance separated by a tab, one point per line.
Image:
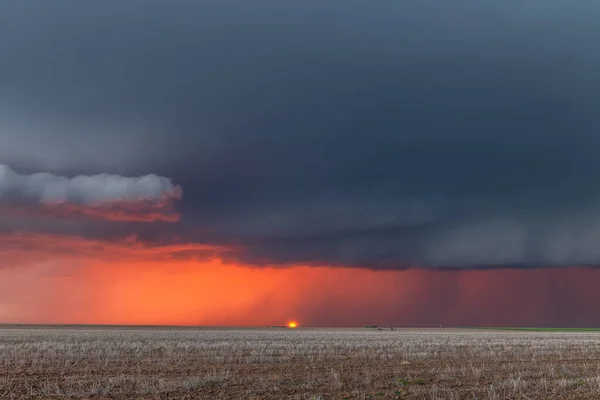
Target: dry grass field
298	364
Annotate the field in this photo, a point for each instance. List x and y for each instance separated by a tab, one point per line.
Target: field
538	329
298	364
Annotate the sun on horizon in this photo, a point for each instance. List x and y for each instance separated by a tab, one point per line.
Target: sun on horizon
292	324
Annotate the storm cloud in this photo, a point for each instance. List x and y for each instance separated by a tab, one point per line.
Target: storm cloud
377	134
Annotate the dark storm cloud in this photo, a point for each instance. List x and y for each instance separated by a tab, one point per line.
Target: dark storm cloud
372	133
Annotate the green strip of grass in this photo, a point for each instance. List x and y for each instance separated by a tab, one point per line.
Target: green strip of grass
540	329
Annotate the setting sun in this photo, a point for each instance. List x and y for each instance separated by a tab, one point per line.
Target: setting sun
292	324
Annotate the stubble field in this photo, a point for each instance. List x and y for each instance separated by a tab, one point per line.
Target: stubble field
298	364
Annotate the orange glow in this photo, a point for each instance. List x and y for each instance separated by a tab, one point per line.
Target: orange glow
292	324
60	279
74	280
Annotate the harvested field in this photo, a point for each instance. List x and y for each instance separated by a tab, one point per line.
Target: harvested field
298	364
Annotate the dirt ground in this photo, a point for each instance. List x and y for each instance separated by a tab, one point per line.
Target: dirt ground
85	363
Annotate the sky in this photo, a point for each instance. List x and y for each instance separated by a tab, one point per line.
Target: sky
340	163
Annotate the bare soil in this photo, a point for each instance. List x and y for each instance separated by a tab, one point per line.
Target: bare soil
105	363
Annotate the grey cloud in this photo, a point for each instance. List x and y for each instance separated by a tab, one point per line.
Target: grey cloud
400	133
85	190
567	240
95	195
33	142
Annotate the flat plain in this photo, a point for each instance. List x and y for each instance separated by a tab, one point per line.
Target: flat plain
147	363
